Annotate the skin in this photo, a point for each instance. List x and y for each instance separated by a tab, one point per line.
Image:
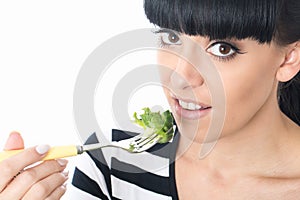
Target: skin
43	180
256	156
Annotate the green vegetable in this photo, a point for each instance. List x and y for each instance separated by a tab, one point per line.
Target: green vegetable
156	122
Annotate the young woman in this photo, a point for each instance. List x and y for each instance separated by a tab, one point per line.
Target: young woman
255	47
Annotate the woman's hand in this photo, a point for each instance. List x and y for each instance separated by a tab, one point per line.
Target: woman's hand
23	178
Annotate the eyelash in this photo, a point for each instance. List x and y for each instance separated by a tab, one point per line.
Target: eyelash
225	58
160	41
236	50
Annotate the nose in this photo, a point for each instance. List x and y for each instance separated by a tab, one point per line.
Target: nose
185	75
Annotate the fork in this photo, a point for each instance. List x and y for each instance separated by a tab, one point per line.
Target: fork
137	144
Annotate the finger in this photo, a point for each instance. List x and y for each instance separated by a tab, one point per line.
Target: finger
14	141
23	182
45	187
11	166
57	193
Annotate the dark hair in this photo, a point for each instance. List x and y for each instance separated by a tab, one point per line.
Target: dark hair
261	20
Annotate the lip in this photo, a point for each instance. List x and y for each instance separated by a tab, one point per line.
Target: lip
190	114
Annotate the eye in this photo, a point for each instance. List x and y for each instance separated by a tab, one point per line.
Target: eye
222	49
168	37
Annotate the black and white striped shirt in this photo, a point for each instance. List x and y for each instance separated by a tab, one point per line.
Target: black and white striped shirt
113	173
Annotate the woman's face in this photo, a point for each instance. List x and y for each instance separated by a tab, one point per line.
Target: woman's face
248	73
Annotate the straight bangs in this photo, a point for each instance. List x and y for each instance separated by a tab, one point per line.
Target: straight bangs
216	19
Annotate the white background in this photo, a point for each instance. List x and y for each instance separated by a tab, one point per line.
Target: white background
42	47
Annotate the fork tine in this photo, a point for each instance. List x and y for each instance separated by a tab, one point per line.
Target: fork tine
147	140
137	143
142	142
145	144
142	139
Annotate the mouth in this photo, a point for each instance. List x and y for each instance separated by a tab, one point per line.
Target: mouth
191	110
191	106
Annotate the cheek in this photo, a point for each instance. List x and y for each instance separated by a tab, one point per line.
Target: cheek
166	63
246	95
247	88
166	59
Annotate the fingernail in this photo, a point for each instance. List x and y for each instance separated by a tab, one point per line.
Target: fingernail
66	174
62	162
42	149
64	186
14	133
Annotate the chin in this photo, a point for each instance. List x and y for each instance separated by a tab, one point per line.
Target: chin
196	130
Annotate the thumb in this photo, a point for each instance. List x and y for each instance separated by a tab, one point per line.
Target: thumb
14	141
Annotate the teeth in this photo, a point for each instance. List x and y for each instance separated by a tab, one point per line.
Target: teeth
189	106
